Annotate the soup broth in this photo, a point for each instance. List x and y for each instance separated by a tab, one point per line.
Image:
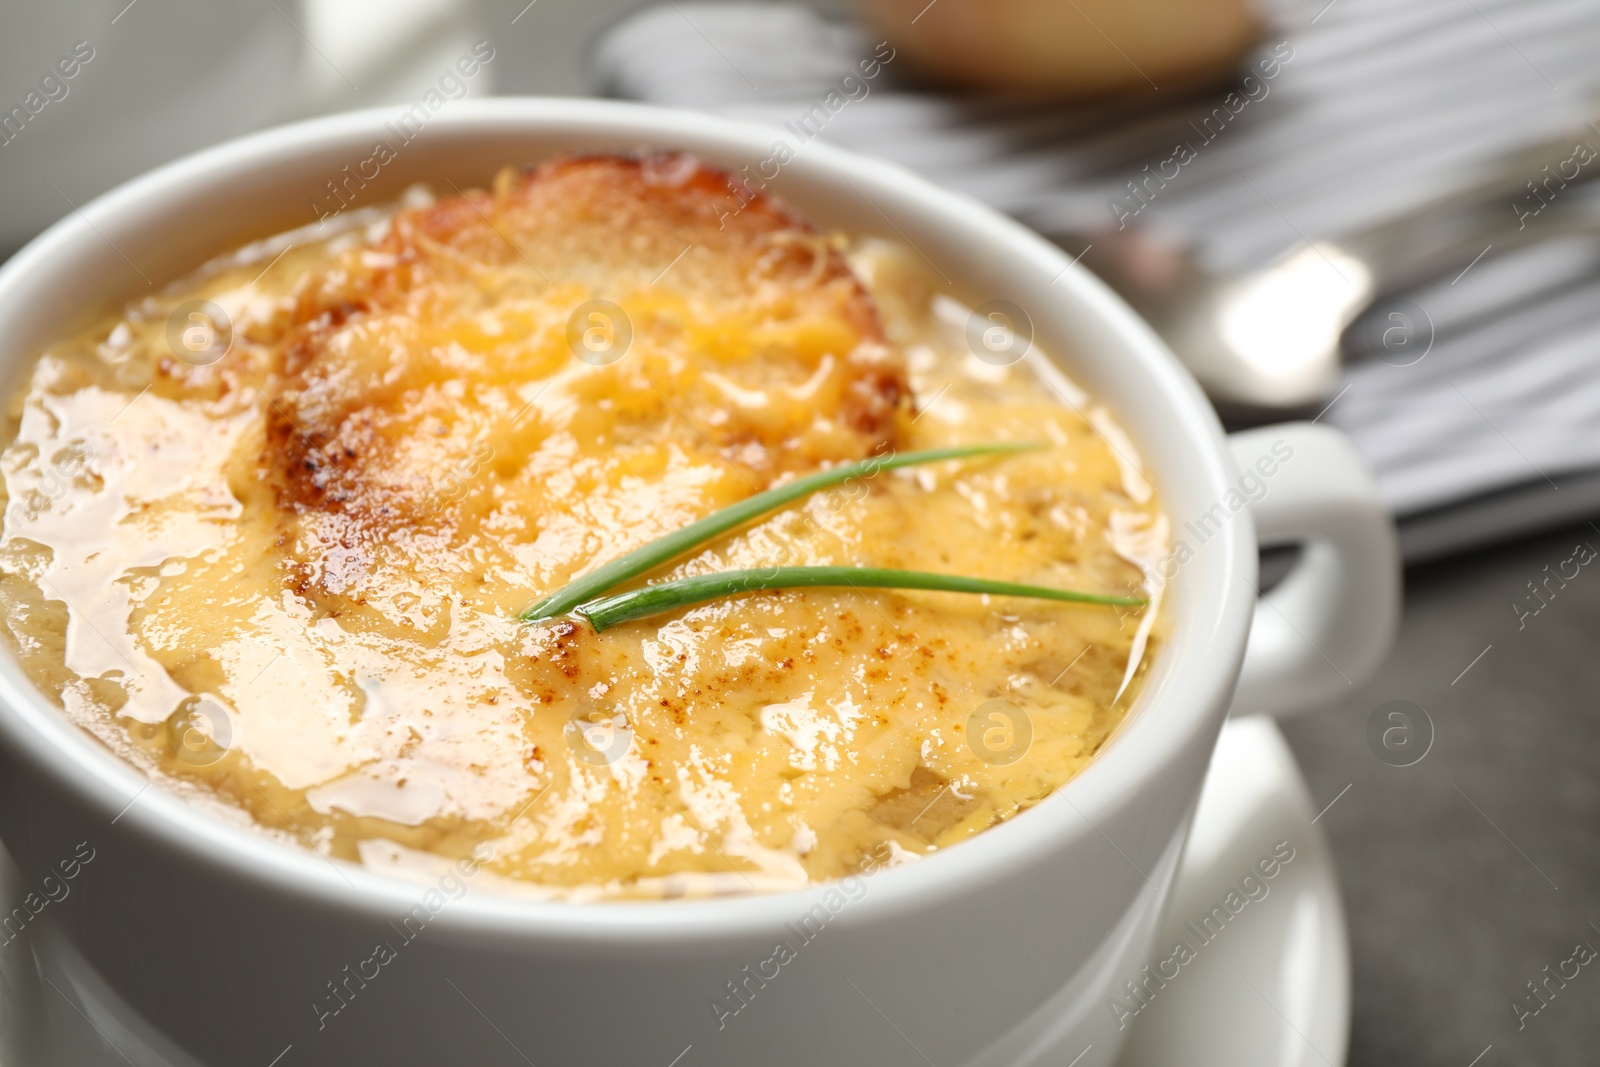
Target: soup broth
267	534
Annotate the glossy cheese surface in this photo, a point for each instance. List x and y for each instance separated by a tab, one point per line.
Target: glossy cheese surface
277	565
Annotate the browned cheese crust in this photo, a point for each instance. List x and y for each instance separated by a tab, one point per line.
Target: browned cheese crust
392	369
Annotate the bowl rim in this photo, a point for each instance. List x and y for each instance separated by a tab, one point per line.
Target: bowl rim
1151	740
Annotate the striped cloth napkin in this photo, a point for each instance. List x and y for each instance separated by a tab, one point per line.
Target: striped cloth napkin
1356	112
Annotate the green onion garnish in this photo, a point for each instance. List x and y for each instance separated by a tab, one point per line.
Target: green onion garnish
667	596
649	556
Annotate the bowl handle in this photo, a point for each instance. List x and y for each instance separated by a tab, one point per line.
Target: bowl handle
1328	625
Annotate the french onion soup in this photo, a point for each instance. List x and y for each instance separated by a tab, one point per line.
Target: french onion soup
273	536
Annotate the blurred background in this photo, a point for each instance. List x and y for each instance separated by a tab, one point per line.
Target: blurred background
1380	214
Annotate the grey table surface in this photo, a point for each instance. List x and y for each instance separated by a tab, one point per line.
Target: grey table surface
1470	871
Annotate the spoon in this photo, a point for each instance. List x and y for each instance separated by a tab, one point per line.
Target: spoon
1266	342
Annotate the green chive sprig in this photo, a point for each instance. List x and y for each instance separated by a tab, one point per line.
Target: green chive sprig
669	596
669	546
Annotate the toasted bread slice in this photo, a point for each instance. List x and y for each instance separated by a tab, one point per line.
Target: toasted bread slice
600	347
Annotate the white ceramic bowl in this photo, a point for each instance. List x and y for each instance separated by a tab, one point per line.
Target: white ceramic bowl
999	951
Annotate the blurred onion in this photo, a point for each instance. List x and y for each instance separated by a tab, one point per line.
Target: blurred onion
1073	47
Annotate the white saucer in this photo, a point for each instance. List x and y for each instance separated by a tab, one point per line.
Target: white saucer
1272	988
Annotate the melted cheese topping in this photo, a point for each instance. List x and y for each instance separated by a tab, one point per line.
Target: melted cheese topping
284	582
